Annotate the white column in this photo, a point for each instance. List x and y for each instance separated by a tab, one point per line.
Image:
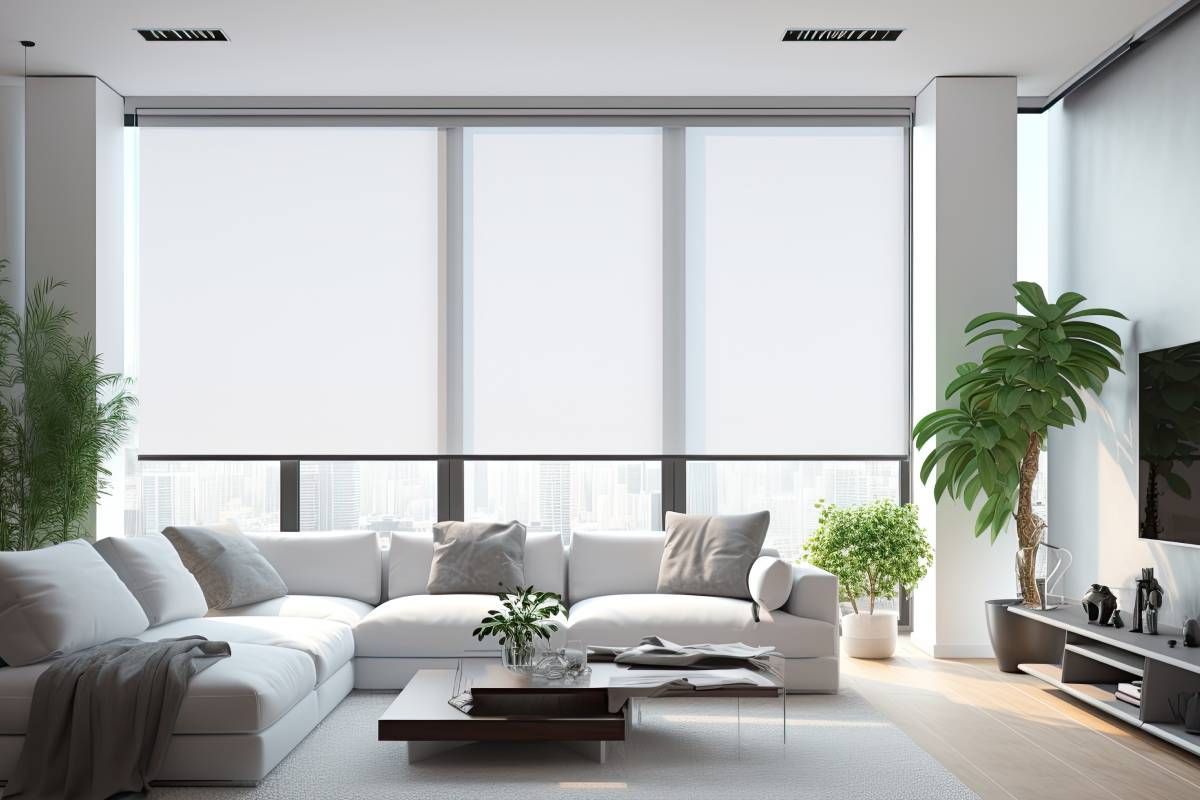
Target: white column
964	264
74	179
12	190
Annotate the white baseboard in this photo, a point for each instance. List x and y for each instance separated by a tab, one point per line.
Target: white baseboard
946	650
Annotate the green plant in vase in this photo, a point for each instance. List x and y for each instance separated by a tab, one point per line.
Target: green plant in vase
525	616
1029	380
874	550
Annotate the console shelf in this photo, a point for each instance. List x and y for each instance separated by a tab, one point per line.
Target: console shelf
1088	662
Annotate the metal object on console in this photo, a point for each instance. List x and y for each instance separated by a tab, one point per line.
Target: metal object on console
1149	597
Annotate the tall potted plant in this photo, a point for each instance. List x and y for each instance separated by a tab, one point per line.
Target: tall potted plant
873	550
1029	380
61	418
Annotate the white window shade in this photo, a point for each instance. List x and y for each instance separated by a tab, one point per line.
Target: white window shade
796	285
562	291
288	290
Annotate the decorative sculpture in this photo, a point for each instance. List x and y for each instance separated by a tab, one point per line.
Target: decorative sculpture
1100	603
1148	600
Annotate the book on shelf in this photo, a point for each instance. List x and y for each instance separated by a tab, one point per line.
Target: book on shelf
1132	689
1125	698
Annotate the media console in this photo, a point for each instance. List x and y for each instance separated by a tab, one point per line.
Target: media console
1088	661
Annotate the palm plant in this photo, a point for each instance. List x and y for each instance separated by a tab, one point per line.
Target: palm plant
1025	384
61	418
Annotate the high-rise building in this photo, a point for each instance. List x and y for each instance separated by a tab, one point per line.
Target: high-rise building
554	496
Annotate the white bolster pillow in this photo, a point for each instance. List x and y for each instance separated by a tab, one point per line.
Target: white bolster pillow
770	582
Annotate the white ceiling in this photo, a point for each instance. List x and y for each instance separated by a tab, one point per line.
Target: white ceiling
561	47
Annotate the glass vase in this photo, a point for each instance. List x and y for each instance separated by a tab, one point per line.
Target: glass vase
518	656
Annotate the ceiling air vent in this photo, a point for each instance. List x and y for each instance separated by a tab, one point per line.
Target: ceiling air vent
842	34
183	34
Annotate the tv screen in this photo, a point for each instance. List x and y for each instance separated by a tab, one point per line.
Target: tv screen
1169	444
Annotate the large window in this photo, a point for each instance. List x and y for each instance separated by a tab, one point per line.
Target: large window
245	493
627	305
370	495
566	496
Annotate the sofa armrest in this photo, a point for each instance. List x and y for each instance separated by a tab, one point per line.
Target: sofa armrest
814	594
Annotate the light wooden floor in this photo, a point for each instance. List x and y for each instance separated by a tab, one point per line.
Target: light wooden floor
1012	736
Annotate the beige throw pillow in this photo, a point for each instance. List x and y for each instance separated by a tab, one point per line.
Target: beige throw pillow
711	555
477	557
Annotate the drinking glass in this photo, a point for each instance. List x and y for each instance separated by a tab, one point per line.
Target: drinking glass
576	653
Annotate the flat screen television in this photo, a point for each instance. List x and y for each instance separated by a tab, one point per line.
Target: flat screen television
1169	444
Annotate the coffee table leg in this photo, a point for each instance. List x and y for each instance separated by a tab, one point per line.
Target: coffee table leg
419	751
596	751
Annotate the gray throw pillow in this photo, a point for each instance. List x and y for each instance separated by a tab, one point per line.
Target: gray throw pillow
477	557
711	555
230	570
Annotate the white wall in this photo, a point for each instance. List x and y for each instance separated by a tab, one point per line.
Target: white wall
1125	232
964	263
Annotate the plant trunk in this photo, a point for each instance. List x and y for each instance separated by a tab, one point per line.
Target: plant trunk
1030	527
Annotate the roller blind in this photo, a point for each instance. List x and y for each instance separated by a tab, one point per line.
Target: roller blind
796	281
563	290
288	282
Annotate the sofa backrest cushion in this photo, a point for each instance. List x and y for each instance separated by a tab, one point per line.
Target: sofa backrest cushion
711	554
60	600
330	563
477	557
153	571
411	556
614	562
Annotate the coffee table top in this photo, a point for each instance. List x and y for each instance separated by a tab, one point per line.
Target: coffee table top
550	710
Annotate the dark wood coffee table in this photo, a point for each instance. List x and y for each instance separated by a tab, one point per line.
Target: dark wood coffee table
517	707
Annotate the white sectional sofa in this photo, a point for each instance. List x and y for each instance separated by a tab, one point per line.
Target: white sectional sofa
357	616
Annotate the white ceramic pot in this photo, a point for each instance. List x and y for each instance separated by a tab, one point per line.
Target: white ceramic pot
869	635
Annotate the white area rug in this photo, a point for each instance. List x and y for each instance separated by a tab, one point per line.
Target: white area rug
837	747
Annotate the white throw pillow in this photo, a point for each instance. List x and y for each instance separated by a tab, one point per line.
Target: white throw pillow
153	571
770	582
60	600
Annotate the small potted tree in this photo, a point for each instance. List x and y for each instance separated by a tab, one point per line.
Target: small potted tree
873	550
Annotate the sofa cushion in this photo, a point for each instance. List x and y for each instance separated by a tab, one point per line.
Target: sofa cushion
477	557
711	555
244	693
411	555
770	582
614	562
59	600
617	620
338	609
226	564
153	571
426	626
334	563
329	644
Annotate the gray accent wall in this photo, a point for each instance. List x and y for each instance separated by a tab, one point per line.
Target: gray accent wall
1125	232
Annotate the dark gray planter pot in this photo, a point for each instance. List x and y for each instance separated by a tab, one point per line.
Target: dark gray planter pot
1018	640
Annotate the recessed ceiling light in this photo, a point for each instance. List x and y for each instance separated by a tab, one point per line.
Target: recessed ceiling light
183	34
842	34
